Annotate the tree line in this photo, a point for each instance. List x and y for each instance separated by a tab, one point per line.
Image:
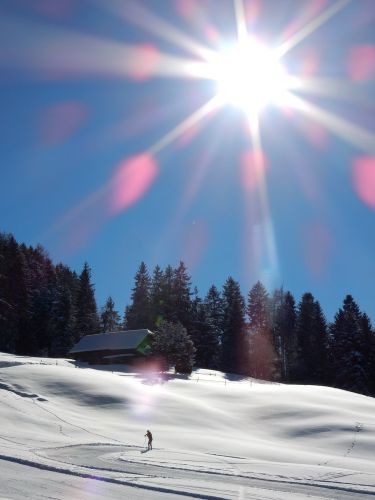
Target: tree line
46	308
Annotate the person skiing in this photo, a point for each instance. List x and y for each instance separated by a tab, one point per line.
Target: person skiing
149	437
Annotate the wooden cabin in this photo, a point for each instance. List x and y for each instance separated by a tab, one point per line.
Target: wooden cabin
113	347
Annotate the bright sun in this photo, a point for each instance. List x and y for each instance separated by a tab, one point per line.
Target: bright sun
250	76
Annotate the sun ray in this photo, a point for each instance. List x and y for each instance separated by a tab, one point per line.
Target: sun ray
334	88
140	16
185	125
240	20
64	53
269	253
311	27
97	201
199	175
352	133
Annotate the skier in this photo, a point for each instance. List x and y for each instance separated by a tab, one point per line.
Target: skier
149	437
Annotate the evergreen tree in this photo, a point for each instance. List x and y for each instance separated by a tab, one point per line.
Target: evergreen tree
182	296
41	278
369	351
8	302
138	313
204	335
263	356
174	345
62	320
156	297
168	300
109	317
15	299
305	315
87	320
66	279
312	342
284	331
235	343
349	348
214	307
319	347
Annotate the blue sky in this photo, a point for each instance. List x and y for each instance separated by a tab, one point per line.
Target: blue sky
83	104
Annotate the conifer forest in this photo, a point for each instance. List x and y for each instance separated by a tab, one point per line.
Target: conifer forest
272	335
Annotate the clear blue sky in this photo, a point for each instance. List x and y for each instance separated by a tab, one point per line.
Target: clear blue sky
87	93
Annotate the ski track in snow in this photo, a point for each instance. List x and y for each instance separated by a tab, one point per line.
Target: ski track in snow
265	483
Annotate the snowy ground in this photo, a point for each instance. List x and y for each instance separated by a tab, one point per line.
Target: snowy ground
69	432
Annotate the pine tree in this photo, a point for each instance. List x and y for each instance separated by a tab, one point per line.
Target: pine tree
312	342
235	343
214	307
349	347
263	356
138	313
41	278
62	320
172	343
8	303
283	321
109	318
214	311
87	320
319	347
205	336
156	297
168	299
15	299
368	342
305	315
182	295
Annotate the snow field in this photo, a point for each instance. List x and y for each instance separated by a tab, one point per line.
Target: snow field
213	437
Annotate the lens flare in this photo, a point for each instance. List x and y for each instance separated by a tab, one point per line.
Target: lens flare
60	121
364	179
361	63
132	180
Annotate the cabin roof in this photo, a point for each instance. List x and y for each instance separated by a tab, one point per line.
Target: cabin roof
111	341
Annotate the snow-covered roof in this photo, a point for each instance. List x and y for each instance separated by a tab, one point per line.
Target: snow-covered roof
111	341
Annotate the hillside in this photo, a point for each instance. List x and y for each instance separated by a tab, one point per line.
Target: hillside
77	431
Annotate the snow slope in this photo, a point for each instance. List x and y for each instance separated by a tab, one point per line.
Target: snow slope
78	432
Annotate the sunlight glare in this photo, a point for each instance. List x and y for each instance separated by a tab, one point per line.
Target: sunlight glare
250	76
